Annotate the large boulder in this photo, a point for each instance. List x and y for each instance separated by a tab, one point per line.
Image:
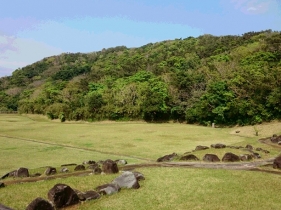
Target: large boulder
189	157
40	204
62	195
218	146
127	180
199	147
50	171
277	162
110	167
211	158
230	157
108	189
167	158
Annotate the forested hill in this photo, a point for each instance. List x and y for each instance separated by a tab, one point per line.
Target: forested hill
221	79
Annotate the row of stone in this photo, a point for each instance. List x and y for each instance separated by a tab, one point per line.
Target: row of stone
108	166
62	195
228	157
221	146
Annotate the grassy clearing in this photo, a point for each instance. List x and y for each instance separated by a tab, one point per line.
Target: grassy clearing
138	139
164	188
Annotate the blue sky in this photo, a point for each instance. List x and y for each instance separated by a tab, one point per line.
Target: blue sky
33	29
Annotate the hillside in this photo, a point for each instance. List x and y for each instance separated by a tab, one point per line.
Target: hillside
221	79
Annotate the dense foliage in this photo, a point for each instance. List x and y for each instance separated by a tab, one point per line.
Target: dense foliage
221	79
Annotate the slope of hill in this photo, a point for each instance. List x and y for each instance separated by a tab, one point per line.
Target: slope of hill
225	79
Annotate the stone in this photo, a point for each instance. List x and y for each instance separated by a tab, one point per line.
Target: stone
211	158
40	204
167	158
275	139
2	184
50	171
110	167
139	176
277	162
218	146
256	155
266	151
249	147
189	157
89	162
127	180
199	147
22	172
79	168
121	162
62	195
13	173
88	195
230	157
93	166
108	189
97	170
5	176
64	170
245	157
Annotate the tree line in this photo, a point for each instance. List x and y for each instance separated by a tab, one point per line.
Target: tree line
222	79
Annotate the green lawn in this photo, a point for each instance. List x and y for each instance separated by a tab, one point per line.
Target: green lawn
33	141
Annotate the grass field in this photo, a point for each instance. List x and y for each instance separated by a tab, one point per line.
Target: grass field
33	141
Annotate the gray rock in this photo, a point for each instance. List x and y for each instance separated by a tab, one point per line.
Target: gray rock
127	180
108	189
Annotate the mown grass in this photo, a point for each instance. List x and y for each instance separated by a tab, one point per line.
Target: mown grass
33	141
166	188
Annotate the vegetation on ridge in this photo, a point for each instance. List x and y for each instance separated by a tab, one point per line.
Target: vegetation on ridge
221	79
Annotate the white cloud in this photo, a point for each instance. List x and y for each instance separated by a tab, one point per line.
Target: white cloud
253	6
19	52
251	9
